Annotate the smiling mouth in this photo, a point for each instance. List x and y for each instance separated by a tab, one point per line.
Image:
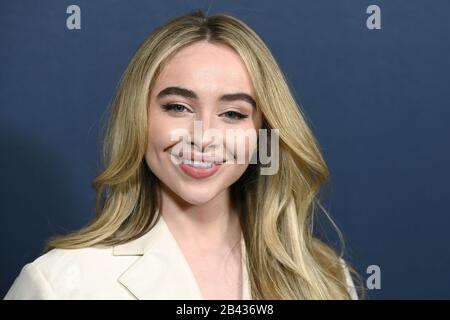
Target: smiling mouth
200	164
199	169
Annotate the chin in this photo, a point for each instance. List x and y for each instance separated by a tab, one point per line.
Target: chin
198	195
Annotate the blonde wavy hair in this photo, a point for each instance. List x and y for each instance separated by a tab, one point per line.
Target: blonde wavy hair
285	259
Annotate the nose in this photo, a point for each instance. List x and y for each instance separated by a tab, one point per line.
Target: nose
201	139
204	134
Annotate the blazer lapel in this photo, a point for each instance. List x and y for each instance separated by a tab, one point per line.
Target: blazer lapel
162	272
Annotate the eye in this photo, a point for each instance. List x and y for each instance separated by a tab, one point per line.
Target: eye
233	115
176	108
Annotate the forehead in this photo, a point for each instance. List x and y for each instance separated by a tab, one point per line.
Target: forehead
206	68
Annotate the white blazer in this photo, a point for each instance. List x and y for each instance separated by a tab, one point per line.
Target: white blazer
150	267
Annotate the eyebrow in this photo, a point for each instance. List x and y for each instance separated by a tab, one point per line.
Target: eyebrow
179	91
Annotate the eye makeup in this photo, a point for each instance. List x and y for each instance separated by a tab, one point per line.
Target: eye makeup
179	109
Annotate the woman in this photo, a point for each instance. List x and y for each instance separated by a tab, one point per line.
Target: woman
177	216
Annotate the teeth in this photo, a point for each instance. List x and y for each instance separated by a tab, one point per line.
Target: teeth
199	164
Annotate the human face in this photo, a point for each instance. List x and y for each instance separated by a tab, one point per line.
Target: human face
205	72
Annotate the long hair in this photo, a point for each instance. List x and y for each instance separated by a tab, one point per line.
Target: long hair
285	259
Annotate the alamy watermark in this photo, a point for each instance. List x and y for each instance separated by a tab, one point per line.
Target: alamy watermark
237	146
373	281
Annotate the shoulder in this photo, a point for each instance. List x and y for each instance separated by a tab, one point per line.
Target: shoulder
57	260
64	273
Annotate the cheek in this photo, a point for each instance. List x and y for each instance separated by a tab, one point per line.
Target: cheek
236	171
158	137
161	132
242	144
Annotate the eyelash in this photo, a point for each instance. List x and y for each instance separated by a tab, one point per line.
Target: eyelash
172	107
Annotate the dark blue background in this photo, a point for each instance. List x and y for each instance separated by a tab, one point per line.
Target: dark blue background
378	101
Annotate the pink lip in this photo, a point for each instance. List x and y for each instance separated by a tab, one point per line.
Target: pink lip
199	173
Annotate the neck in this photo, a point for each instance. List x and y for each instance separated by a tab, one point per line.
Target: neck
209	227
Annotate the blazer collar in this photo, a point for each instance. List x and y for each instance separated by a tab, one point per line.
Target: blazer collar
162	271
